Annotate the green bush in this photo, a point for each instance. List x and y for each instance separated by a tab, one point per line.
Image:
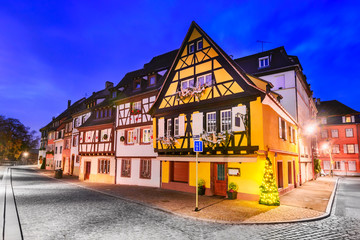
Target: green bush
43	164
201	183
317	166
233	187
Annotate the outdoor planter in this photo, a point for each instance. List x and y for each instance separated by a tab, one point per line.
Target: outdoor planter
232	195
58	173
201	190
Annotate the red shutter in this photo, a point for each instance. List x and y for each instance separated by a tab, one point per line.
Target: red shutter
181	172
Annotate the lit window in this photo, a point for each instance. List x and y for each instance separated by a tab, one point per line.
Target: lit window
211	122
152	80
125	167
187	84
205	79
349	132
225	120
350	148
145	169
176	126
347	119
199	44
191	48
264	62
130	136
146	136
334	133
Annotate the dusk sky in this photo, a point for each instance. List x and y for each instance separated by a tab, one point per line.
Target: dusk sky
52	52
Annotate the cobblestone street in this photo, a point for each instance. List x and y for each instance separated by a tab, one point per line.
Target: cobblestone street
52	209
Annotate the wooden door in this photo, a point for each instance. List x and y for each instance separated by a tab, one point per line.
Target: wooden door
280	174
72	164
87	170
220	179
179	172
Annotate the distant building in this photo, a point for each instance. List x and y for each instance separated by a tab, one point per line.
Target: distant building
339	136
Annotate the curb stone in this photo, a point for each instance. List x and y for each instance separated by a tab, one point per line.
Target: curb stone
325	215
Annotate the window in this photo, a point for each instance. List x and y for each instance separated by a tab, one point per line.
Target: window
352	165
152	81
326	165
136	108
75	140
55	150
349	132
146	136
337	165
204	80
199	45
289	173
191	47
324	134
347	119
145	169
211	122
67	144
187	84
105	113
137	84
104	136
334	133
323	120
130	136
225	120
264	62
83	119
77	158
126	168
350	148
60	149
114	94
292	134
282	129
168	127
104	166
336	148
176	126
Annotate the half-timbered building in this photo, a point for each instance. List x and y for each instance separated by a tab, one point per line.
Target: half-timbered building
207	96
135	157
96	139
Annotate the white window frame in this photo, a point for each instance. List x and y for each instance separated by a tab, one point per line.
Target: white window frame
205	80
263	60
346	132
168	127
323	135
350	147
225	126
334	131
176	127
337	165
210	128
130	136
146	135
336	148
188	83
190	45
197	45
352	165
136	106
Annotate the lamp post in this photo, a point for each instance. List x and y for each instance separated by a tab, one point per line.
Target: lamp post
25	154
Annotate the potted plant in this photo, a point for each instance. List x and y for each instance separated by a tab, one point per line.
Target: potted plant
232	192
201	187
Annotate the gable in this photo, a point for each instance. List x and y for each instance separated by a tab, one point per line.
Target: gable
202	73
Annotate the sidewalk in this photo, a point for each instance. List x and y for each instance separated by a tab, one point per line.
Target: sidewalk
305	202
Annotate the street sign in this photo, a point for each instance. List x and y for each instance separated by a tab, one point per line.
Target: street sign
198	146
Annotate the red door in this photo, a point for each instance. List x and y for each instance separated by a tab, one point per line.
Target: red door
87	170
220	176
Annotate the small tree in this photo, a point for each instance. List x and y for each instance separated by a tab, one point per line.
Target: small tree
317	166
269	194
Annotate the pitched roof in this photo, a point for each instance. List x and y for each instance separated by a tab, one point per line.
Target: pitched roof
278	59
333	108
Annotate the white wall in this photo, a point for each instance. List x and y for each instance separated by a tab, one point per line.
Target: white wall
58	155
94	164
135	174
134	150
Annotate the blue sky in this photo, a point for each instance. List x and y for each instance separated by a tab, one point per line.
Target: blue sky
52	51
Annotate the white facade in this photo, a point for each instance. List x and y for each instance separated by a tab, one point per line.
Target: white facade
134	145
59	145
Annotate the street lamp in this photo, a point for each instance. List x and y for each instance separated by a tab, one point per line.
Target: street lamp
328	148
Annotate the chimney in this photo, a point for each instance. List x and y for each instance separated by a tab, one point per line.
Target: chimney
318	101
53	118
69	103
109	84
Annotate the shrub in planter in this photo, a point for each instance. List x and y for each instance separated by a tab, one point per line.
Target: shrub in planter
43	164
201	187
232	192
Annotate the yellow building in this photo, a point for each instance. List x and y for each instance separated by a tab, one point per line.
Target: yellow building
207	95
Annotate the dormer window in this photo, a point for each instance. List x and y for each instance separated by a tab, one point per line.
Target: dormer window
199	45
187	84
114	95
152	80
137	84
191	48
264	62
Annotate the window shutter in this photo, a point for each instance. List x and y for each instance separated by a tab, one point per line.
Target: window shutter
181	125
356	148
197	124
137	132
236	121
342	165
352	118
345	148
285	131
291	134
280	129
343	119
161	125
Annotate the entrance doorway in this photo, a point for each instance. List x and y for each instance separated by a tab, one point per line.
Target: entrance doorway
87	170
220	179
280	175
72	164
